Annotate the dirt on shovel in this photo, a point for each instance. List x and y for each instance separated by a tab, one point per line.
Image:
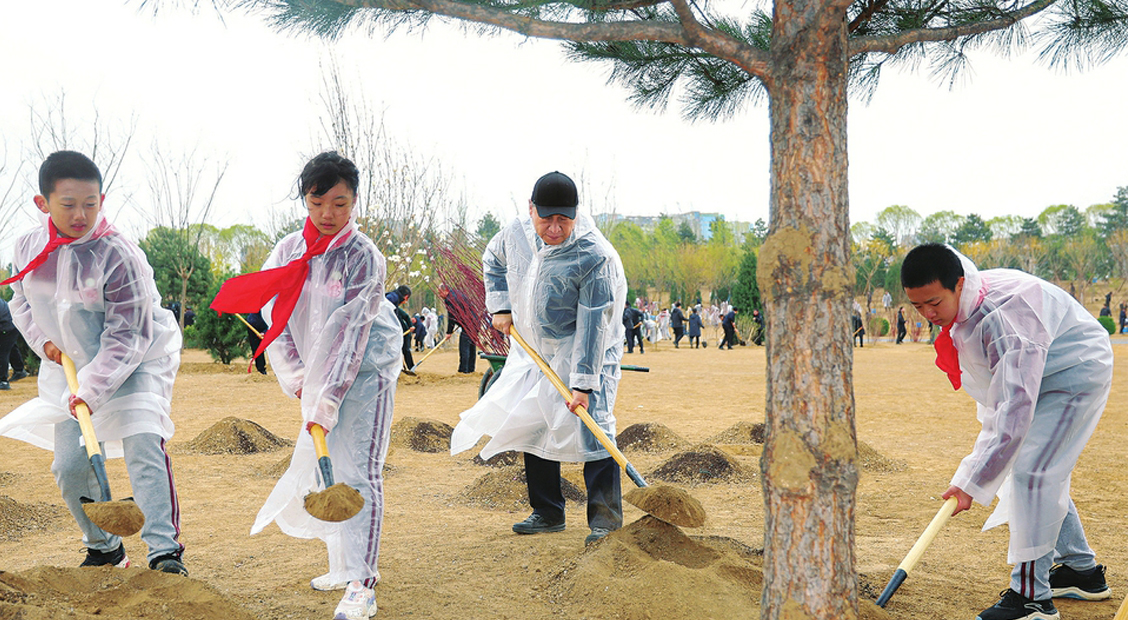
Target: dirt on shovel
339	502
668	503
120	517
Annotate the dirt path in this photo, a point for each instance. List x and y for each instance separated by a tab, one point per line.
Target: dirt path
444	557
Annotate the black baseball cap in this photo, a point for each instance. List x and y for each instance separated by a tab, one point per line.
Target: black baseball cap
555	194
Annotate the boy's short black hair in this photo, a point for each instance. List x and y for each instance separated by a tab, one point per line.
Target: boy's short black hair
325	171
404	291
930	263
67	165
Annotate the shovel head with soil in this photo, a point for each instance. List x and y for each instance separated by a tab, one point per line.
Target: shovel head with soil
665	502
122	517
338	502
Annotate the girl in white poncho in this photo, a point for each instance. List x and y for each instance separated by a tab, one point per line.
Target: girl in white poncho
338	350
1040	367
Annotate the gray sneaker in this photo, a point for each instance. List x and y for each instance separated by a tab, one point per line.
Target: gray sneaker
597	534
537	524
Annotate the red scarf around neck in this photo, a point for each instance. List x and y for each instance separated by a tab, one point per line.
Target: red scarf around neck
947	357
53	244
250	292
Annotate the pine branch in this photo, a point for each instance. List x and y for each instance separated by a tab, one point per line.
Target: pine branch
998	19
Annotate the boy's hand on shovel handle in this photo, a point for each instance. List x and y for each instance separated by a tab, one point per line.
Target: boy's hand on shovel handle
74	403
963	500
52	352
579	399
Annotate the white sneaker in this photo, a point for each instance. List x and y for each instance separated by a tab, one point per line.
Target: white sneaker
323	584
358	603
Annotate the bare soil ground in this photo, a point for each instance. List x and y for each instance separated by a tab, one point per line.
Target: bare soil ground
449	554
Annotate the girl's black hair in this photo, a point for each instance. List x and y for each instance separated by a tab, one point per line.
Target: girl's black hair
930	263
325	171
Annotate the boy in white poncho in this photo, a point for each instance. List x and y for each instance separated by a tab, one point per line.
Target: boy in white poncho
1040	367
334	343
554	276
85	290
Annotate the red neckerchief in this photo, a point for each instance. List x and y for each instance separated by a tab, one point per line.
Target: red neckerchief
53	244
250	292
947	357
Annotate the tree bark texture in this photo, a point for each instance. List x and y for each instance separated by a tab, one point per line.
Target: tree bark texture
809	464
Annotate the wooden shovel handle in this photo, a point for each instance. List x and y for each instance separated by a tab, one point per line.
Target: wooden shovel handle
82	412
581	411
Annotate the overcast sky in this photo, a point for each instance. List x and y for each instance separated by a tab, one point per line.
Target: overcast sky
1014	138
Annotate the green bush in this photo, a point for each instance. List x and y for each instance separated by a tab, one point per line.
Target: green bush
224	337
1108	324
878	327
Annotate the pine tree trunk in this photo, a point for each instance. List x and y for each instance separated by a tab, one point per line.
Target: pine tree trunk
809	461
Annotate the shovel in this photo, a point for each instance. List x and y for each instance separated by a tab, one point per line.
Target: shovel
433	349
338	502
917	550
123	517
668	503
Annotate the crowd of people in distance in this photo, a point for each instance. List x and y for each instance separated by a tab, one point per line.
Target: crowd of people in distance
647	321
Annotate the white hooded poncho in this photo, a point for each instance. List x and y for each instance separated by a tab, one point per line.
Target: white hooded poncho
1040	367
96	300
566	301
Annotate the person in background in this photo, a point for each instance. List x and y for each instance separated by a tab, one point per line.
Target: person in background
695	327
901	331
254	339
457	305
677	323
398	298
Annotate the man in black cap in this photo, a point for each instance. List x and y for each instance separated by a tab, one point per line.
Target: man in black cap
559	281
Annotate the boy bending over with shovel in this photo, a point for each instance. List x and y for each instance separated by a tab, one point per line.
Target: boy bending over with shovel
86	291
334	343
1040	367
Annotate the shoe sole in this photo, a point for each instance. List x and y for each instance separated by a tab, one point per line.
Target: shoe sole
539	530
1079	594
1037	615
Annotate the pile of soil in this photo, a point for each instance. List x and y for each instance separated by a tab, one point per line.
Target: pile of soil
7	477
506	489
205	368
741	433
422	435
17	519
703	464
106	593
430	378
233	435
649	437
651	565
279	467
501	459
870	460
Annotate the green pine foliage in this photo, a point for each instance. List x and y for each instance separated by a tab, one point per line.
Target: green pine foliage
1108	324
224	337
746	292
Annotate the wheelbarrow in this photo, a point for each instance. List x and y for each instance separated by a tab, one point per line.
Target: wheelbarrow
497	363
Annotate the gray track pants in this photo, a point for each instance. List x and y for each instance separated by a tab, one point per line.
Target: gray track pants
1032	579
150	475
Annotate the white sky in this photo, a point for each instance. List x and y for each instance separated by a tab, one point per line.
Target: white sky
499	112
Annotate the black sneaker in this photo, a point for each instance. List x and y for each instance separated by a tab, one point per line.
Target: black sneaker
597	534
115	558
169	564
1014	606
1089	585
5	386
537	524
19	374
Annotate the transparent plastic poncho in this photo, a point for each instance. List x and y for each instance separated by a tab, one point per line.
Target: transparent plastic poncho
96	300
1039	365
566	302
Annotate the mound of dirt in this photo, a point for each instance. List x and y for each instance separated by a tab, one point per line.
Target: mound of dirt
7	477
16	519
430	378
741	433
422	435
506	489
649	437
651	565
870	460
233	435
705	463
106	593
501	459
279	467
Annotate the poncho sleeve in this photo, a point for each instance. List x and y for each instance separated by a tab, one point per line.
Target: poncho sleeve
495	269
285	360
595	315
334	364
1016	346
20	309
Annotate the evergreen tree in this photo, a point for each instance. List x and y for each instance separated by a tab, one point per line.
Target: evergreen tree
1030	228
685	233
488	226
746	291
182	273
224	337
971	230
